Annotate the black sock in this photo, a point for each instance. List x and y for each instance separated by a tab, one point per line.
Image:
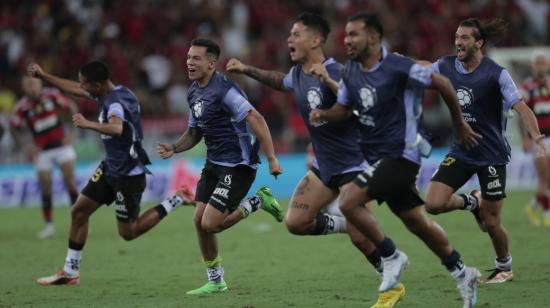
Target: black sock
452	262
321	222
161	211
375	259
47	207
386	248
75	245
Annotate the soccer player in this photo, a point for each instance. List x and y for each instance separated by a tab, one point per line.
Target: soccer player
233	132
384	91
338	158
41	110
536	93
121	175
487	92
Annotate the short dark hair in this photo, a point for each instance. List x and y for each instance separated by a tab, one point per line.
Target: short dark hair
211	46
315	22
95	71
493	30
371	20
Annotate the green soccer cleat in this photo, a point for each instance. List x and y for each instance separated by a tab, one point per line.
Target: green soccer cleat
269	203
209	288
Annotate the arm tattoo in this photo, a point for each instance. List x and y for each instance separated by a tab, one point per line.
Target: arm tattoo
270	78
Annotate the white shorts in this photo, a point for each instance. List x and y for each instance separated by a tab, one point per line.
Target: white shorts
48	158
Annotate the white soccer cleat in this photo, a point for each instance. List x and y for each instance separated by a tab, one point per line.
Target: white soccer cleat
467	286
393	266
59	278
48	231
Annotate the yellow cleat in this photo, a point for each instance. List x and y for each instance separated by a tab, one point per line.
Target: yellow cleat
389	298
546	220
533	215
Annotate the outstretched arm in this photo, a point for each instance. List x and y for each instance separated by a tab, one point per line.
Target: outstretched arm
260	128
65	85
464	132
188	140
112	128
272	79
529	121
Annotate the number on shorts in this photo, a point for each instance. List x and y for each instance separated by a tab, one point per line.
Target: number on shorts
97	175
448	161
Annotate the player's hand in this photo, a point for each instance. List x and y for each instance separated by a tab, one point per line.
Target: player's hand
235	66
275	168
467	136
542	151
80	121
320	72
165	150
34	70
315	116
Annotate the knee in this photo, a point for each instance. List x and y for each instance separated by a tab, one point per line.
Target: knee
347	206
126	235
210	226
434	206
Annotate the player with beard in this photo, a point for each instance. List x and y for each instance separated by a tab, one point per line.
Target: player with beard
384	91
486	92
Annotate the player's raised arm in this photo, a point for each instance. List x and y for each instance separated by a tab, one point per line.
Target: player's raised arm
272	79
112	128
66	85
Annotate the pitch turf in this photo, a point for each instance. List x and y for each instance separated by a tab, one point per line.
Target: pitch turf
265	265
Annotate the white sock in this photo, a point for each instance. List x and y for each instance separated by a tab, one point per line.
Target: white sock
72	262
171	203
458	273
336	224
250	205
505	266
215	274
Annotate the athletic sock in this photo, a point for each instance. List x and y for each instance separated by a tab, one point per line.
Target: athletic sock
542	199
214	270
504	264
250	205
47	208
169	204
470	202
386	248
328	224
454	265
74	256
376	260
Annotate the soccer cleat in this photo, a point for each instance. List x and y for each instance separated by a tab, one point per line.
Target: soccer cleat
184	196
208	288
467	286
389	298
269	203
500	276
59	278
48	231
393	266
475	210
532	214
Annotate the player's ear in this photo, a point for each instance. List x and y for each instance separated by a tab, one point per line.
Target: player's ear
212	63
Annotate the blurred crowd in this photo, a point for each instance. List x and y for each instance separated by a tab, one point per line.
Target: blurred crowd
145	43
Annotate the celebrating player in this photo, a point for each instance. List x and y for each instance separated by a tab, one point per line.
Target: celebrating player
121	175
487	92
221	113
384	91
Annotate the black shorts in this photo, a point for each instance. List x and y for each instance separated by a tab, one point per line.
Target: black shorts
392	180
126	191
336	181
455	173
224	187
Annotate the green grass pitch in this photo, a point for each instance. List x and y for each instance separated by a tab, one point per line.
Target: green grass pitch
265	266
